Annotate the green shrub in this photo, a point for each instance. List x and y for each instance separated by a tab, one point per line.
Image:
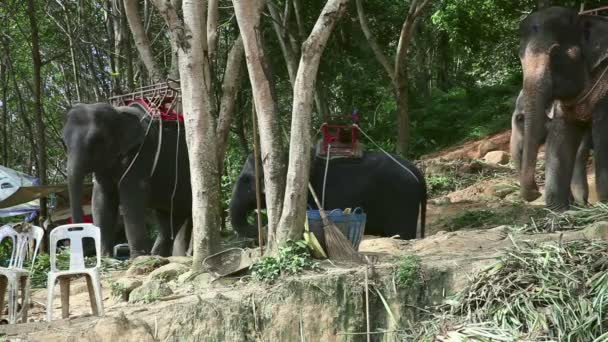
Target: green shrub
293	257
408	272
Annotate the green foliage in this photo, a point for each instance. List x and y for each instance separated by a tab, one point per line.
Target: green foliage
408	273
293	257
460	115
441	184
6	248
42	266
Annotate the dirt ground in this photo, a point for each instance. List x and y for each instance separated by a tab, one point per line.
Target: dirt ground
468	250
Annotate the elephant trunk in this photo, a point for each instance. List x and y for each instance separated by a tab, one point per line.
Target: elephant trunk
75	185
537	97
515	146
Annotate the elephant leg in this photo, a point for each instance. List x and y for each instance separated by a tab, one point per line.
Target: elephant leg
560	154
133	201
105	211
181	243
164	240
600	149
579	185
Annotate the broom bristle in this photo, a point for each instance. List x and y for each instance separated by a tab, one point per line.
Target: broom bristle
339	248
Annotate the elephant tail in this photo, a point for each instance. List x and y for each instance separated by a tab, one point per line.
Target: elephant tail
423	208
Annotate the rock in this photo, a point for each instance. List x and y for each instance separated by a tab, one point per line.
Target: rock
168	272
184	260
113	329
145	264
123	287
501	190
484	147
150	291
497	157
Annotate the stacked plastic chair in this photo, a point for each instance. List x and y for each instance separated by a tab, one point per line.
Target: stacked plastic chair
15	277
75	233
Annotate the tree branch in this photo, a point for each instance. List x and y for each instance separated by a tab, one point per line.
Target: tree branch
212	21
230	88
371	40
141	39
407	30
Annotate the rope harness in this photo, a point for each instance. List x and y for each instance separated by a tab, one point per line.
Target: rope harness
151	119
581	109
388	154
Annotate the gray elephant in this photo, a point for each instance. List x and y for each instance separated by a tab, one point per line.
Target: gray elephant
119	146
579	188
564	57
392	195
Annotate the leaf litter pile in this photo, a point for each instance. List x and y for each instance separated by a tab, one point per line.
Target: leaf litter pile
536	292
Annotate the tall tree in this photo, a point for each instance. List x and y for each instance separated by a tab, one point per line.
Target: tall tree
293	214
248	13
206	126
40	130
292	210
397	71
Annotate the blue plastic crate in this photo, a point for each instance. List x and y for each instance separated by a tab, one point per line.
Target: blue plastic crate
351	225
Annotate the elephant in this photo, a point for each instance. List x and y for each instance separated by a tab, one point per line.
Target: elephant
579	188
119	145
391	196
564	57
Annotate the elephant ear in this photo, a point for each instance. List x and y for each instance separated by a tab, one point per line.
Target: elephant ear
130	128
595	39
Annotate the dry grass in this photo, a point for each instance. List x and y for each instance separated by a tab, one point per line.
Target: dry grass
536	292
568	220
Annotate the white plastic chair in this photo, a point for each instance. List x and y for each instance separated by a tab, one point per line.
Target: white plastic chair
75	233
15	277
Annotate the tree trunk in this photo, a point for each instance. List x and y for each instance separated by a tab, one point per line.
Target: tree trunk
403	120
200	123
4	79
212	22
240	133
230	88
40	131
200	133
141	39
296	191
291	55
397	72
248	14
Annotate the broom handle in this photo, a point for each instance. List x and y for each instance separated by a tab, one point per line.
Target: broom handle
314	195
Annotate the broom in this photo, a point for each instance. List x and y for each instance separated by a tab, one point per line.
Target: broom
339	248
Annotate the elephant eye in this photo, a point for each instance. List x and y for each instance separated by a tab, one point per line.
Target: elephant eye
519	117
